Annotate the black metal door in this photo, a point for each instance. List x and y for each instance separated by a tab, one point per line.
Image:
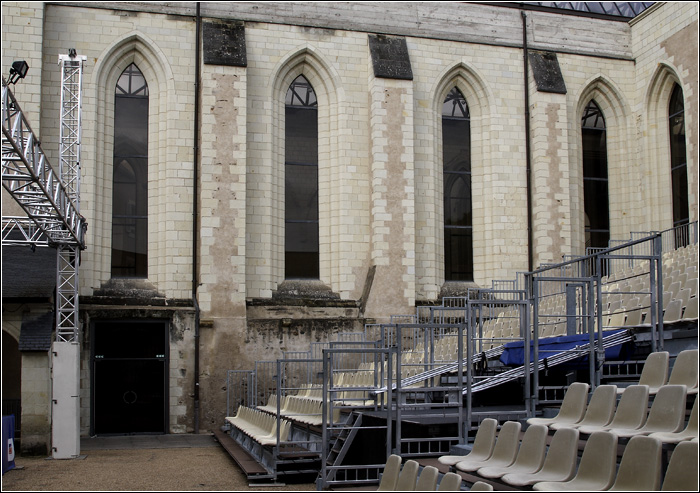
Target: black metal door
130	371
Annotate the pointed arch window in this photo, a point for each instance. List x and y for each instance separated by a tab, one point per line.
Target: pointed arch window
679	161
301	181
595	177
457	193
130	178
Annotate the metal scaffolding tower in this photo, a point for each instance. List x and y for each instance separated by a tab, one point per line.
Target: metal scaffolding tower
51	201
68	259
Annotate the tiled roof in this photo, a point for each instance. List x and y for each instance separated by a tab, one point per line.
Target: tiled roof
36	333
27	273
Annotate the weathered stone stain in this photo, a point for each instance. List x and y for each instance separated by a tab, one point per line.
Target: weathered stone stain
224	246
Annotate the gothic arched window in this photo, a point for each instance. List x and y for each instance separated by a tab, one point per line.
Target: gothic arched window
595	177
130	178
457	188
301	181
679	162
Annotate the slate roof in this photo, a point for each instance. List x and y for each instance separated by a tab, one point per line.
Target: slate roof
28	274
36	333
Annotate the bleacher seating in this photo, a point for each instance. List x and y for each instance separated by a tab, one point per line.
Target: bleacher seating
573	407
654	373
596	470
481	486
640	467
259	426
504	452
631	411
559	463
667	413
427	481
682	470
599	412
391	473
483	444
451	482
530	458
626	303
685	370
408	476
690	432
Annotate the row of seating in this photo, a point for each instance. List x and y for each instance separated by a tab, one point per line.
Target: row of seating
531	463
665	419
307	410
640	468
655	372
260	426
396	478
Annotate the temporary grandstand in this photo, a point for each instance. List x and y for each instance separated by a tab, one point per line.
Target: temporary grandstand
419	386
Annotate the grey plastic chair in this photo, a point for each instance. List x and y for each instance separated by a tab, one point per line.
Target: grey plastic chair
667	413
631	412
596	471
427	481
450	482
390	474
481	486
572	409
504	452
600	410
408	476
559	463
483	444
654	372
640	466
682	470
530	456
685	370
690	432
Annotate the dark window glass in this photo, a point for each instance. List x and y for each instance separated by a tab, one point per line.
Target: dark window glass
679	164
595	177
456	163
301	182
130	178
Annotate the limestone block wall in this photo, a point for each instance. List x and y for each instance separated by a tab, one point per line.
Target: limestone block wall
163	49
550	177
610	83
665	44
490	78
36	403
335	63
23	24
222	264
380	156
392	174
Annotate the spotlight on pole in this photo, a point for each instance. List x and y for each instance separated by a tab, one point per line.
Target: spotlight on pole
18	71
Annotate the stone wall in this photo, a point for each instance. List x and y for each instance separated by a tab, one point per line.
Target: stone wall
380	171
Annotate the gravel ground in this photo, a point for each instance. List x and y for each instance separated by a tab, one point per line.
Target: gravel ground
163	469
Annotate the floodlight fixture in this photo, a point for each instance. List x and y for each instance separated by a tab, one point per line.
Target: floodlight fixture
18	71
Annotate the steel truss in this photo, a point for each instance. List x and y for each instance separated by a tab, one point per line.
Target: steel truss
71	98
29	178
50	199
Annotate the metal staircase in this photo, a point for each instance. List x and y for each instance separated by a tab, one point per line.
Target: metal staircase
341	446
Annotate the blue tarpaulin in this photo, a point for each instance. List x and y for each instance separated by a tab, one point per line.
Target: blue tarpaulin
8	443
514	352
